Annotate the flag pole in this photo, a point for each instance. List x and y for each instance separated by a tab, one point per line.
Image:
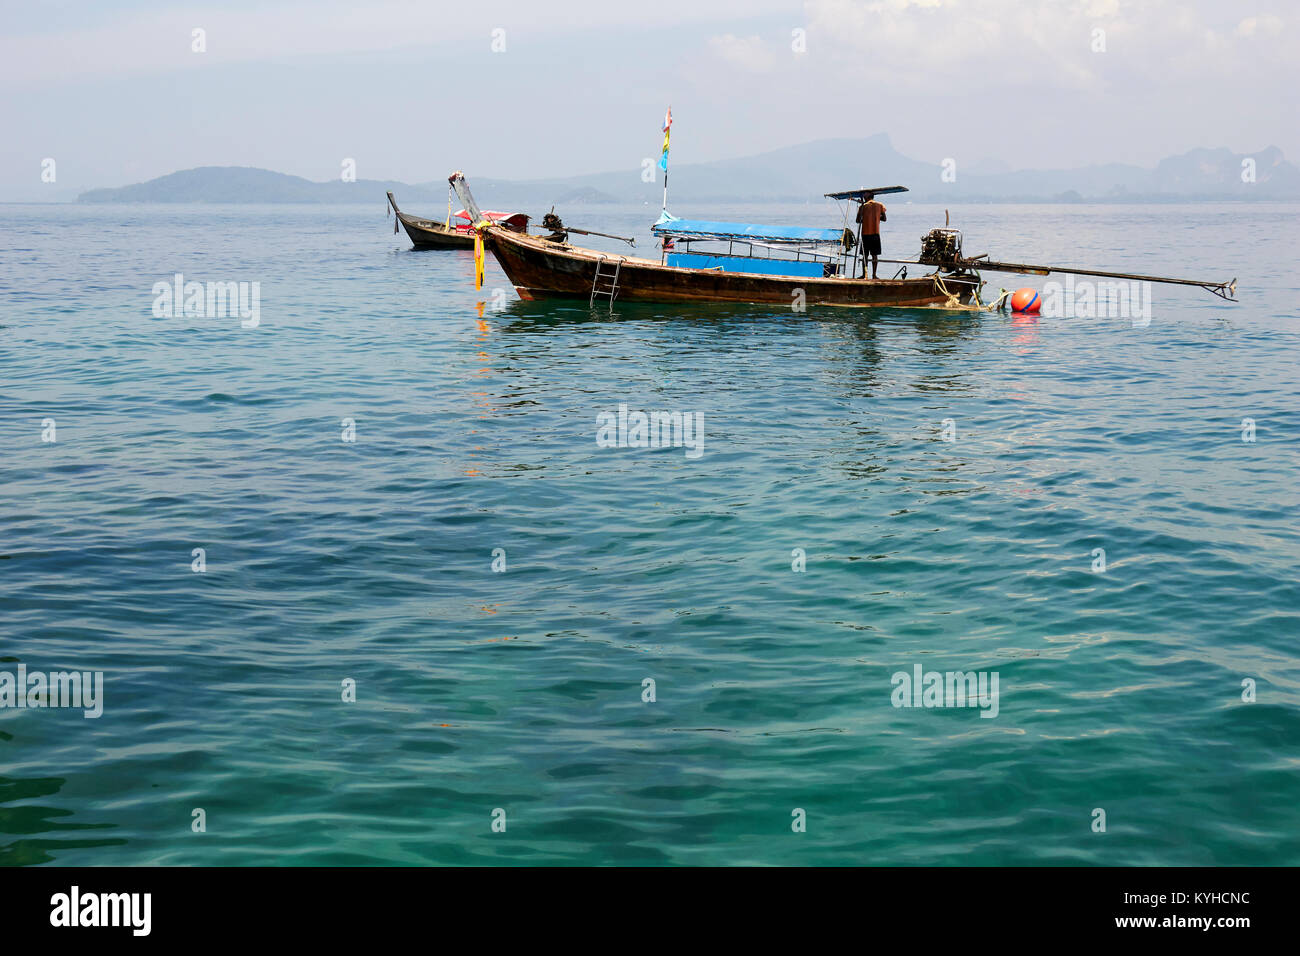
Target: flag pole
663	160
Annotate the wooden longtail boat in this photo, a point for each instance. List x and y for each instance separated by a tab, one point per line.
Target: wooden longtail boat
813	266
432	234
539	268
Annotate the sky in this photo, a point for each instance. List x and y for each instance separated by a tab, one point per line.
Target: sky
116	92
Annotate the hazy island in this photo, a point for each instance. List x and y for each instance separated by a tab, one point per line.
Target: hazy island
793	174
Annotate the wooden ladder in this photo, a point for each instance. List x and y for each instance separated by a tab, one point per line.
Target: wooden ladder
610	277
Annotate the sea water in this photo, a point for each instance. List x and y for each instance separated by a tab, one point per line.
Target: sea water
365	588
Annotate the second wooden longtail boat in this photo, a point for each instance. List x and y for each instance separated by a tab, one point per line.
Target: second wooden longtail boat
432	234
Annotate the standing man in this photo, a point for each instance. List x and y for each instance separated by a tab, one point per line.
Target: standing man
870	215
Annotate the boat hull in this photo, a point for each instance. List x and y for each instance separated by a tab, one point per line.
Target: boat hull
431	234
539	268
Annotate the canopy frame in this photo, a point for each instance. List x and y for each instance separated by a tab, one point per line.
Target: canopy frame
859	194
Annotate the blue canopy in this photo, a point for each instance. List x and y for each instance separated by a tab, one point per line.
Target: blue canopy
699	229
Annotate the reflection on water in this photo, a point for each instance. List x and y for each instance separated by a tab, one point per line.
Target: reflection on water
858	350
31	823
522	315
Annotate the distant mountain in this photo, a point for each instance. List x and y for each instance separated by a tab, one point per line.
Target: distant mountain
793	174
1211	171
244	184
585	194
1197	174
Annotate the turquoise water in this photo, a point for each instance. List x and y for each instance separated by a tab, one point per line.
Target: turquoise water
371	560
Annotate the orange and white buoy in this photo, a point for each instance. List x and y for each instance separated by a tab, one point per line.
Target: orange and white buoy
1026	300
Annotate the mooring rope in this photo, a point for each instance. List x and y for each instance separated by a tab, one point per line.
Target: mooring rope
997	304
953	299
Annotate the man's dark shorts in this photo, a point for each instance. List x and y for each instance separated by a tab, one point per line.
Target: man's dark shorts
871	244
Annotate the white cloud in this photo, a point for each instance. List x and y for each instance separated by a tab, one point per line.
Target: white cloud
1011	44
744	53
1250	26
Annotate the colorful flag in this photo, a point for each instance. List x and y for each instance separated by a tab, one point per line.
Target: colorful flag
668	122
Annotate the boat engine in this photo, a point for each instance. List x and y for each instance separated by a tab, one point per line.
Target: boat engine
552	222
941	247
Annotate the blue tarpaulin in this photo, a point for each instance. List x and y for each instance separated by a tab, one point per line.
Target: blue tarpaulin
763	266
741	231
